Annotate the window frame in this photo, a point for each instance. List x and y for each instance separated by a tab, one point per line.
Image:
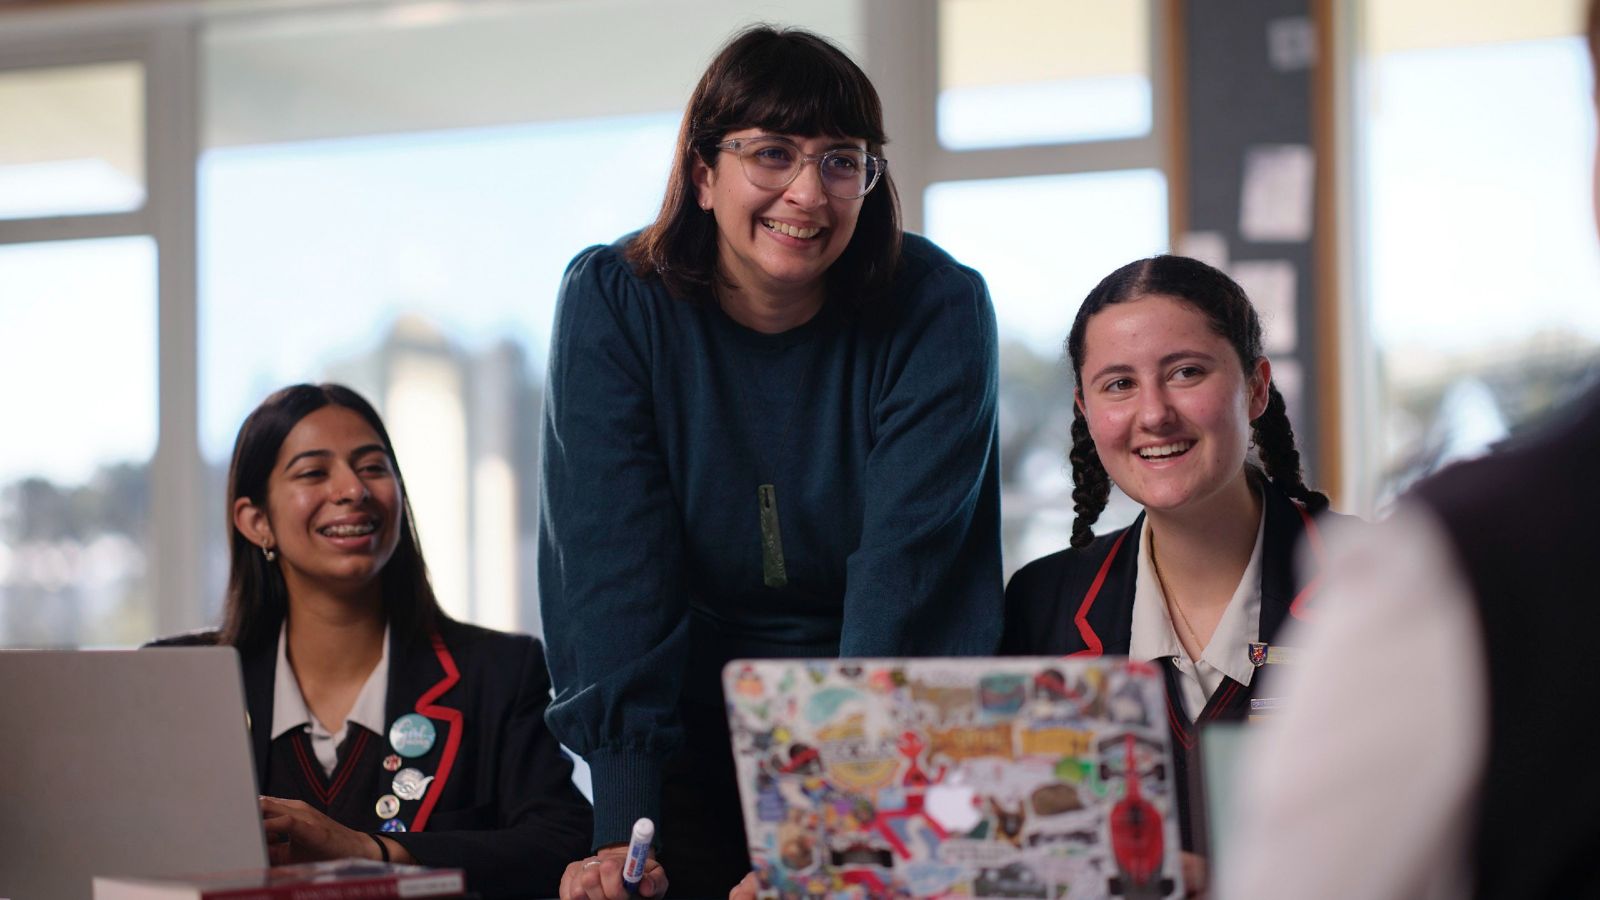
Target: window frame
162	39
902	58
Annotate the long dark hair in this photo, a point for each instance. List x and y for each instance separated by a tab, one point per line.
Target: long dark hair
787	81
1232	316
257	599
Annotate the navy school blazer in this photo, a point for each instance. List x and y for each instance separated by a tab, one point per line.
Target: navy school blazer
504	808
1053	608
1080	602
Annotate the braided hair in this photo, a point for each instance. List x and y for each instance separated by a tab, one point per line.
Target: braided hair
1231	316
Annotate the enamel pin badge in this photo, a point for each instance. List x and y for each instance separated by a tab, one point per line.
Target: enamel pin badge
1258	653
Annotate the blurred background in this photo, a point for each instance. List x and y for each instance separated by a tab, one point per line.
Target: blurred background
203	201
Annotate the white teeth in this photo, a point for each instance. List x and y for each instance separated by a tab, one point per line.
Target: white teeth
790	230
1165	450
349	530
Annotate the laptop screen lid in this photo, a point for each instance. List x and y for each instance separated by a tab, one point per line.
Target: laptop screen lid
123	762
1222	746
1015	777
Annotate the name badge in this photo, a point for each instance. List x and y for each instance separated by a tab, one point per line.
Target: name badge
1277	655
1264	707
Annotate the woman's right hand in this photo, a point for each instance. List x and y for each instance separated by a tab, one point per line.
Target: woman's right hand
599	877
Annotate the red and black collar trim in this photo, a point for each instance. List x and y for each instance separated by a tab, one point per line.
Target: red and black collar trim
1091	641
452	742
312	770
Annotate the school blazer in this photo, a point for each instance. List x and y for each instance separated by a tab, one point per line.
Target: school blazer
1081	600
504	808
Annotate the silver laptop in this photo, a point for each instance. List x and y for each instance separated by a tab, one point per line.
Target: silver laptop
1023	777
122	762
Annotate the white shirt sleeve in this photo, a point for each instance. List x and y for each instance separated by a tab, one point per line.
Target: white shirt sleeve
1365	785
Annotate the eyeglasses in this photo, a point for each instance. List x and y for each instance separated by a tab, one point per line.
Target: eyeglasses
773	163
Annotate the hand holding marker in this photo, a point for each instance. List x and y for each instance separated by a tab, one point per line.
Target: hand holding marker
644	831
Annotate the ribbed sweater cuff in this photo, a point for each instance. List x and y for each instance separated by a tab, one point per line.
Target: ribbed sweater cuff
627	785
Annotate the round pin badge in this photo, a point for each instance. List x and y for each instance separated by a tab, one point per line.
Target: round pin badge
391	763
388	805
392	825
411	784
412	735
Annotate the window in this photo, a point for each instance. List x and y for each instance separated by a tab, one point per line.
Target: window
1016	72
1046	173
81	293
422	270
74	140
81	403
1479	238
1042	243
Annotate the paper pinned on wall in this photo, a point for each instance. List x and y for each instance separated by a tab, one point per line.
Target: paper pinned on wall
1210	247
1292	43
1276	198
1270	285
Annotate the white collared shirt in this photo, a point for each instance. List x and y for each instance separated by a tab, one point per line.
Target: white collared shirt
289	708
1154	634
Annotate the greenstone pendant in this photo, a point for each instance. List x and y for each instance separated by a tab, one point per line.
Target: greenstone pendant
773	572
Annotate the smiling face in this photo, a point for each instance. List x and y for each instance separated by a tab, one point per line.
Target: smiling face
1167	403
777	243
333	506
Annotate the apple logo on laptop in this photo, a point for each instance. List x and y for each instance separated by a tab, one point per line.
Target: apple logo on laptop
954	806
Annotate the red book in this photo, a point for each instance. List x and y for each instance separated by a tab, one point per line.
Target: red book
337	879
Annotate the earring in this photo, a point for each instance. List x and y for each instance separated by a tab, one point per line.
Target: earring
269	553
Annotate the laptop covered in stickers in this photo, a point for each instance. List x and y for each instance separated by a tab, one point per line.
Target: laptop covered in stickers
975	777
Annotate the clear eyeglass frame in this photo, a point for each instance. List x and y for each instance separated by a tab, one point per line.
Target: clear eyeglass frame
774	178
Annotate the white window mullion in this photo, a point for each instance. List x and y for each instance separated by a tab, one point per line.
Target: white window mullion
902	50
177	478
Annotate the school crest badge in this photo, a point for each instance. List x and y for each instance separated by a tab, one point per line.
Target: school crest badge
1258	653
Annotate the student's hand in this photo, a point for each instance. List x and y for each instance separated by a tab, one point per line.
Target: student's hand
744	890
600	877
298	833
1195	876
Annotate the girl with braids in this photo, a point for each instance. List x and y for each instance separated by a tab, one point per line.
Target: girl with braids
1172	388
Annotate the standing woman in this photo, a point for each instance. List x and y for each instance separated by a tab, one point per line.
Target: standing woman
769	432
1172	390
380	727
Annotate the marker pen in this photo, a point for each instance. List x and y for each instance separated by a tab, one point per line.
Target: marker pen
644	831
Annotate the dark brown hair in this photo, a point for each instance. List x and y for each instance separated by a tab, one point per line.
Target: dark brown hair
787	81
257	599
1230	315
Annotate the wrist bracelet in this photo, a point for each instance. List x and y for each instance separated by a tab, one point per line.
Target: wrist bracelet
382	847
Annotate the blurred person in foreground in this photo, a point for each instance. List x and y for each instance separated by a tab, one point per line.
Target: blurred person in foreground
1451	645
381	728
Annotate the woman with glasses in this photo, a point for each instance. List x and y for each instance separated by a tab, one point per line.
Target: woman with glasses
769	432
